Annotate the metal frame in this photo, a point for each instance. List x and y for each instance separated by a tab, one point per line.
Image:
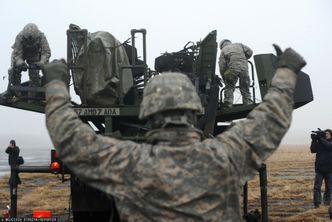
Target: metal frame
252	85
14	187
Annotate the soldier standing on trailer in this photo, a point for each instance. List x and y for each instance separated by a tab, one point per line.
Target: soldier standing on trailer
233	66
30	48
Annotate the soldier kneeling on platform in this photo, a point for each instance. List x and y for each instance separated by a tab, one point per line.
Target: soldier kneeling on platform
31	49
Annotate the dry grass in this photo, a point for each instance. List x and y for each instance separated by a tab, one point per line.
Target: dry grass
37	192
4	193
290	185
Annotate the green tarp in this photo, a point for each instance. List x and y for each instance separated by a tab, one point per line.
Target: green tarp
103	79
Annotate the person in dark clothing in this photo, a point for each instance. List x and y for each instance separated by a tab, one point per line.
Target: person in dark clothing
321	144
13	151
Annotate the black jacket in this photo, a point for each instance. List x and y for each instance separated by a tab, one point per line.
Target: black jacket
13	155
323	150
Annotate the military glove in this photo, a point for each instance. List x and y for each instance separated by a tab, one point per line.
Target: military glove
39	64
21	66
56	70
289	59
19	62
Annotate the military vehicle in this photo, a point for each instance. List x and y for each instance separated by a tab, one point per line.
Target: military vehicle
110	105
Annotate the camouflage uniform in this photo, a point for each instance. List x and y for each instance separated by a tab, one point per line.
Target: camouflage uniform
175	176
37	53
233	65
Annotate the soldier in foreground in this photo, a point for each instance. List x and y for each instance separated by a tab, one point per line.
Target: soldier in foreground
175	175
30	48
233	66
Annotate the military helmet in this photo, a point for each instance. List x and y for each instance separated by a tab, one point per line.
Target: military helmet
30	33
223	43
169	91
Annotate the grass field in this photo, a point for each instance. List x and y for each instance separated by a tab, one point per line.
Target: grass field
37	192
290	185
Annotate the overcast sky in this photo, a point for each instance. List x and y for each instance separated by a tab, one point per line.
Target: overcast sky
301	24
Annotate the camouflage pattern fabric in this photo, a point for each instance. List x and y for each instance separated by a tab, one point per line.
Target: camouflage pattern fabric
177	177
230	79
234	57
184	97
39	52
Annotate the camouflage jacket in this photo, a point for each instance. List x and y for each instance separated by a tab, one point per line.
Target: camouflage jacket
178	177
234	56
39	52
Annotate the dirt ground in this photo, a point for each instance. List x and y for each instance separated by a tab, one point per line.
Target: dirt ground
290	185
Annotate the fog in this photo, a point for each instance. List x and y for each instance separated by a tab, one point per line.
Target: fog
302	25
